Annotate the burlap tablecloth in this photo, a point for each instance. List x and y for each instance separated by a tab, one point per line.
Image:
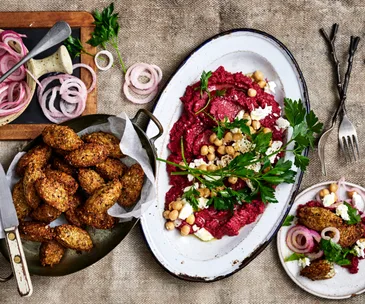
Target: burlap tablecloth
164	32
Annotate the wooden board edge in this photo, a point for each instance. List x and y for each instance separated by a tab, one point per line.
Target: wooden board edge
21	131
44	19
91	104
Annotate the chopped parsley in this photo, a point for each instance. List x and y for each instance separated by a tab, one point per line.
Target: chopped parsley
335	253
223	126
294	257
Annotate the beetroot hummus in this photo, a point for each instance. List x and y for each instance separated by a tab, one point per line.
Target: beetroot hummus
232	96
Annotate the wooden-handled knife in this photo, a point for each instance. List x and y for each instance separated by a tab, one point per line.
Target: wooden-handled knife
10	225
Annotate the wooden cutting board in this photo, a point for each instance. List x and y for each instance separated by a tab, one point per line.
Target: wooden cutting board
31	123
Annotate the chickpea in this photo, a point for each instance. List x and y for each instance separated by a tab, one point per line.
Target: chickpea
190	219
213	193
212	167
247	117
185	230
270	143
333	187
351	194
251	92
212	137
204	150
221	150
236	154
232	179
211	157
256	125
201	192
203	167
323	192
266	130
177	206
166	214
230	150
170	206
267	169
170	226
173	215
220	188
335	196
218	142
237	136
262	84
252	130
258	75
228	137
206	192
211	149
182	164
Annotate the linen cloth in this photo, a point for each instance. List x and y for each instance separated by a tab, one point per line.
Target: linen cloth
163	32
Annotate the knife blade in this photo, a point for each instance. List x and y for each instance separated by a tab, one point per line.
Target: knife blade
10	225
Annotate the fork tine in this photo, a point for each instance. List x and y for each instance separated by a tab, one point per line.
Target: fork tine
352	148
356	146
343	148
346	149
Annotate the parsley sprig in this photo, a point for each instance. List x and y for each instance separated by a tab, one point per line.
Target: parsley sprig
288	220
335	253
353	215
294	257
75	47
225	125
106	31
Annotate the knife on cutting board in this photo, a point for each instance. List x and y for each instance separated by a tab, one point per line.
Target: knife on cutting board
10	225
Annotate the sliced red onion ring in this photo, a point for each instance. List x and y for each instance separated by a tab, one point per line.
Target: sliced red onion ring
110	58
335	238
147	90
92	72
292	239
314	255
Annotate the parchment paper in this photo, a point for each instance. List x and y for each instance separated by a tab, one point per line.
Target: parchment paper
130	144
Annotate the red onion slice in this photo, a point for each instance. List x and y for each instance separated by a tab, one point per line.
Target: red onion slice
92	72
335	238
138	100
292	239
110	58
314	255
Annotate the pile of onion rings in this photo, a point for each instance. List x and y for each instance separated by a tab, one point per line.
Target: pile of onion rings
133	85
72	91
14	91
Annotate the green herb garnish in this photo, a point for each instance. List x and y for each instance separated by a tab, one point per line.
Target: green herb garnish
74	47
353	214
288	220
261	183
294	257
220	93
223	126
106	31
335	253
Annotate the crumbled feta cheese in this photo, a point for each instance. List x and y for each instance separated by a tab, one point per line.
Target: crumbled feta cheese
236	130
225	160
255	167
342	210
202	202
360	248
195	228
195	185
177	222
243	145
261	113
240	114
270	87
329	199
204	235
358	202
275	146
303	262
282	123
194	164
185	211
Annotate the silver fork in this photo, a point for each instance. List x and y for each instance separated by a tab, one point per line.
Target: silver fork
342	92
347	135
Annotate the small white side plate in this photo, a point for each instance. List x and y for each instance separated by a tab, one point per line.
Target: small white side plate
344	284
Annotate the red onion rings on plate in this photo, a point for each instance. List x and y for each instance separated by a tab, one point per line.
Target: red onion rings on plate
295	236
336	232
142	92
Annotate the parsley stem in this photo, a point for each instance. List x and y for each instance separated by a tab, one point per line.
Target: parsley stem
114	44
206	105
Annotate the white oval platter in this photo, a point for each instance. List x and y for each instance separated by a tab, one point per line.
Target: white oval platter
242	50
344	284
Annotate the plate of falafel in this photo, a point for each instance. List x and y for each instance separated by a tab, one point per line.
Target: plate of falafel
321	244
